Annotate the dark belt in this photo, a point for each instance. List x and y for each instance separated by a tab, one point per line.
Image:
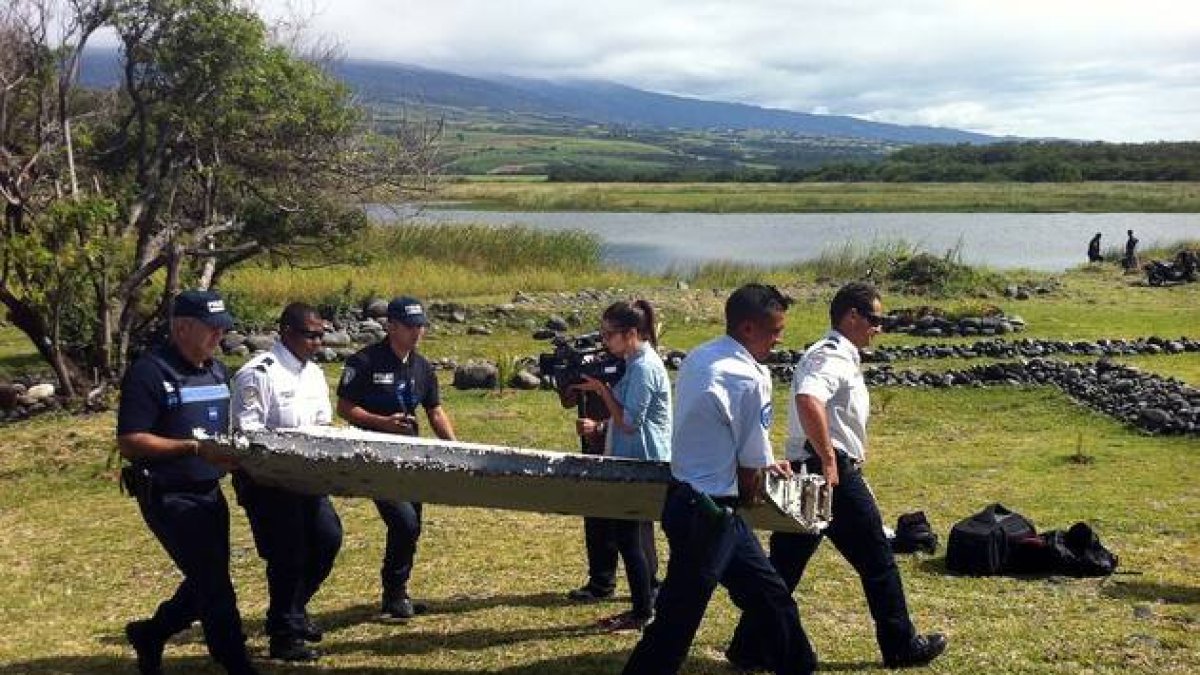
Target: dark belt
729	502
840	455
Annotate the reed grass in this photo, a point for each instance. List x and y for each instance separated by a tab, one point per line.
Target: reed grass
433	261
898	265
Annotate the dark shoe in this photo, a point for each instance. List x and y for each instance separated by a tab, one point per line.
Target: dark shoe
588	594
310	632
397	609
744	664
147	645
292	649
623	622
922	650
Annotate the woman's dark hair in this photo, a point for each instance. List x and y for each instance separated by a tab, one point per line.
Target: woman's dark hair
854	295
753	302
638	314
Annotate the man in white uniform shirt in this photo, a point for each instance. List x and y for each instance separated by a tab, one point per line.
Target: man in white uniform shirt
720	449
827	433
298	535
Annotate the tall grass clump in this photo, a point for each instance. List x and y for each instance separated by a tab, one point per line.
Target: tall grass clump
1165	250
897	266
431	260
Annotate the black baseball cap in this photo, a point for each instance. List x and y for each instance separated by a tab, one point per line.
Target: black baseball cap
408	311
206	306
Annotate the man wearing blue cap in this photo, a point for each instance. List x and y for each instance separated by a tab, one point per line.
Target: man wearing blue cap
380	389
168	393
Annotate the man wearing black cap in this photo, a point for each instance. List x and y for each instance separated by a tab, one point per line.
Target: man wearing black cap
167	393
380	389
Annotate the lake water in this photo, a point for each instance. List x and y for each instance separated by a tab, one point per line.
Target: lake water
653	242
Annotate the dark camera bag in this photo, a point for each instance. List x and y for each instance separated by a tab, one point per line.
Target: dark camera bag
983	544
913	533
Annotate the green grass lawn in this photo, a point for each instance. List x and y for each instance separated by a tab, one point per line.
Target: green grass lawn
78	562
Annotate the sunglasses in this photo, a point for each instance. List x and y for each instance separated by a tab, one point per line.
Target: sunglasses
872	318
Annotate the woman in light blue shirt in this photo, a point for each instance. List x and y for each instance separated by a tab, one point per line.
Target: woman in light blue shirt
640	428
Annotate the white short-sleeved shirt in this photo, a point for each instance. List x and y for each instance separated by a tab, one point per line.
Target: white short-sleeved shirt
275	390
830	371
722	417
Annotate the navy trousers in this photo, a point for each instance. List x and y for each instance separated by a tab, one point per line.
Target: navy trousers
298	536
193	528
707	551
857	532
599	537
601	555
403	521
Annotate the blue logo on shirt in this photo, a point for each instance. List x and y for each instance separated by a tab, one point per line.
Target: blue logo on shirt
766	415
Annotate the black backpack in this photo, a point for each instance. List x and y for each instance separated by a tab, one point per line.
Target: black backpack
913	533
984	543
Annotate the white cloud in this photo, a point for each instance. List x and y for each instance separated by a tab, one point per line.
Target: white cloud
1114	70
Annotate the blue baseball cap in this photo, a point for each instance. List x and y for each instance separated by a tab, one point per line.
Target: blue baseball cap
408	311
206	306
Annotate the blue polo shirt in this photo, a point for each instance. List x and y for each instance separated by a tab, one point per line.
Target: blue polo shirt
167	396
376	380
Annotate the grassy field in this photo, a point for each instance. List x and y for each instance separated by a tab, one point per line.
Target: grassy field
79	563
828	197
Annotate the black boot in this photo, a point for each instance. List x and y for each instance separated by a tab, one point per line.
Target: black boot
147	645
311	632
922	650
292	649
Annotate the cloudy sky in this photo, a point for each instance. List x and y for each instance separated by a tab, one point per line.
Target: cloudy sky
1089	69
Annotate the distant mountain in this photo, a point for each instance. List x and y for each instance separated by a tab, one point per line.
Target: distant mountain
615	104
583	101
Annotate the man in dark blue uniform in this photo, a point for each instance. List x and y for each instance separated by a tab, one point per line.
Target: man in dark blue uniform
380	389
167	393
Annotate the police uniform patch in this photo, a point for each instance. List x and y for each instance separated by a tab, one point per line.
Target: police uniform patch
766	415
348	375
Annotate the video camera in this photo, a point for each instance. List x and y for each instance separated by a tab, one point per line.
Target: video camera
575	357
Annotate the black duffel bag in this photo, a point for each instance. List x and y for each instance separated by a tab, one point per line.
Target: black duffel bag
983	544
1076	552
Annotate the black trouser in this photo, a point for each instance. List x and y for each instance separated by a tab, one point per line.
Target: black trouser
857	532
403	521
602	552
629	537
298	535
706	551
192	524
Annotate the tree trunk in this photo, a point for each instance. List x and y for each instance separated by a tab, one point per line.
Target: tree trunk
71	377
